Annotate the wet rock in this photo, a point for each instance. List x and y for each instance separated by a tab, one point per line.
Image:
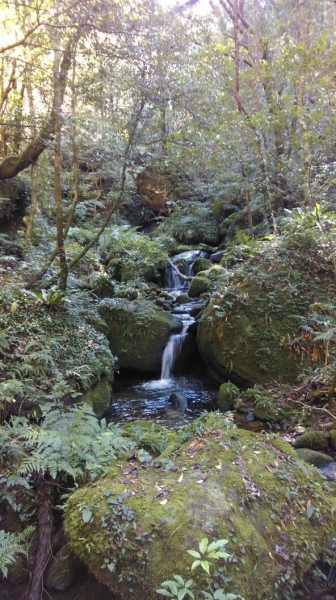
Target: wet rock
195	311
216	257
318	459
332	435
329	471
62	570
99	397
198	286
137	332
183	299
314	440
227	394
178	400
201	264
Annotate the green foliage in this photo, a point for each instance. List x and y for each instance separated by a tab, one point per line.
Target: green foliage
133	253
48	355
66	442
12	544
52	298
207	553
176	589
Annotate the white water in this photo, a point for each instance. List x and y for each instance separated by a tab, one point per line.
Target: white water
172	352
176	285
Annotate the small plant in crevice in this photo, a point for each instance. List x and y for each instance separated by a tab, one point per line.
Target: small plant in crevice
205	555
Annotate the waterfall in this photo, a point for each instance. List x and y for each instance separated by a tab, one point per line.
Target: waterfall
171	352
175	285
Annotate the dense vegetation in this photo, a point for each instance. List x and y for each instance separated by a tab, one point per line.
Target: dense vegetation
130	132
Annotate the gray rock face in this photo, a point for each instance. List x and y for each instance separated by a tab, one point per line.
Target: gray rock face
178	400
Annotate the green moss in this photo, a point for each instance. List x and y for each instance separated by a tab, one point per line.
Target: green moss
333	439
99	397
198	286
227	394
315	440
246	334
201	264
138	332
225	484
318	459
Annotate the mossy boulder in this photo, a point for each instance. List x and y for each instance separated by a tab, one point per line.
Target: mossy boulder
62	569
333	439
138	332
99	397
199	285
228	392
268	409
253	329
201	264
14	200
314	440
318	459
244	335
137	523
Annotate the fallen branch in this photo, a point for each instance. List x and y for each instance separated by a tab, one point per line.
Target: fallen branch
184	277
316	408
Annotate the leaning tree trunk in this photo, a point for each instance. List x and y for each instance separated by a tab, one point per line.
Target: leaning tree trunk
45	497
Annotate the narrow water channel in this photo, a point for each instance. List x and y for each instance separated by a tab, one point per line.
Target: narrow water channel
171	400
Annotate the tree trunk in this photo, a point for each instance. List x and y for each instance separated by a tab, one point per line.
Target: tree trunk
34	167
306	158
13	165
57	164
75	167
236	90
45	500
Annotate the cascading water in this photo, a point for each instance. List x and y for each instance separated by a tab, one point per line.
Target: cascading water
172	351
175	285
153	400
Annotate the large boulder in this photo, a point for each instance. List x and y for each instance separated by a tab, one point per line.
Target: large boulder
244	335
137	332
99	397
212	481
256	328
14	200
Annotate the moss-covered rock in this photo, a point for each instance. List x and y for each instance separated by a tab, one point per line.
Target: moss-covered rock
201	264
62	570
138	332
333	439
268	409
199	285
137	524
226	396
314	440
318	459
183	299
251	331
244	334
99	397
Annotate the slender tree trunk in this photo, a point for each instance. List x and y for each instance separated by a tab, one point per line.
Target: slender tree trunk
113	207
34	167
256	56
306	157
45	501
75	166
57	164
236	90
248	201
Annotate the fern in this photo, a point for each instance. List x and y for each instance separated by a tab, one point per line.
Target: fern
12	544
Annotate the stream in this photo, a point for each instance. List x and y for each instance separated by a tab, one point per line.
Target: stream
171	400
